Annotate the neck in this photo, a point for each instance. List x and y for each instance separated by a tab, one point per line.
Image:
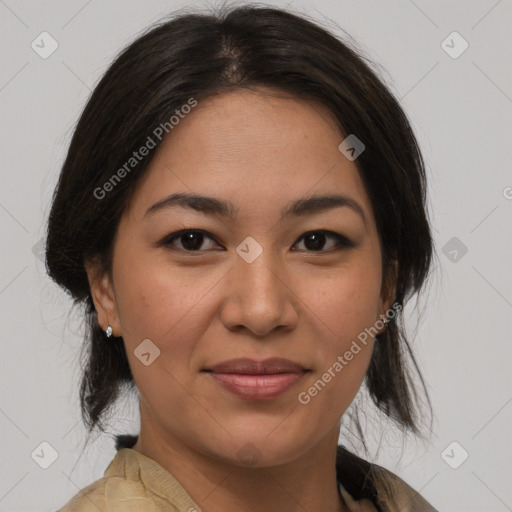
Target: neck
216	485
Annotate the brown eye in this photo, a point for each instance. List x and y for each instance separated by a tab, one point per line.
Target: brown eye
187	240
315	241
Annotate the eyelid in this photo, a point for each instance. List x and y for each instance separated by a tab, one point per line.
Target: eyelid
342	241
168	239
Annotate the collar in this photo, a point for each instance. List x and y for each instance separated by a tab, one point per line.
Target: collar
132	464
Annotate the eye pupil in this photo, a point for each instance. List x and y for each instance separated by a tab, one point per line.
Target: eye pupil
192	241
318	241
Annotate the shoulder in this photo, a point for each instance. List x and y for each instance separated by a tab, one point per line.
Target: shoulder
89	498
364	480
400	495
112	494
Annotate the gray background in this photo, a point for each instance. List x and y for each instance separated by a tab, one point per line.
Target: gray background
461	111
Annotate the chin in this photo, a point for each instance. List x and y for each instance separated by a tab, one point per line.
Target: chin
259	451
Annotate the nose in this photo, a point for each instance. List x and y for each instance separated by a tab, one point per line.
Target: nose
259	297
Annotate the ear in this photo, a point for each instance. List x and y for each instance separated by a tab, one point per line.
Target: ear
102	293
388	288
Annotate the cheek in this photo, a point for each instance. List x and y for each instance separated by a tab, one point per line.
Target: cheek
346	302
343	308
170	306
156	298
164	306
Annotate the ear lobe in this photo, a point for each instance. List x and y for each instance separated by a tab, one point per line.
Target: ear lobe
388	290
102	294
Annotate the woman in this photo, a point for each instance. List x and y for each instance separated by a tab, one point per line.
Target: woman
242	212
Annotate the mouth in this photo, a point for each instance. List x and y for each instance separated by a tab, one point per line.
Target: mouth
257	380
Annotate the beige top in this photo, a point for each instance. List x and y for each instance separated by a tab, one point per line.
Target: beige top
133	482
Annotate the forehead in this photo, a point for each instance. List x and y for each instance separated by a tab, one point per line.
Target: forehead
255	150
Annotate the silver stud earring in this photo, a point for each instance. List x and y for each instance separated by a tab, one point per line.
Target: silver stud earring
108	331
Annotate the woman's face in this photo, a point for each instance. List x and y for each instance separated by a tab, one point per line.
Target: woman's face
250	284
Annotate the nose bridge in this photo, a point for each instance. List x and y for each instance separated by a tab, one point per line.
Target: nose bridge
260	281
258	297
261	276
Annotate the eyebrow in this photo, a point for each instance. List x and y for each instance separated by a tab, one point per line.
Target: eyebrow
220	208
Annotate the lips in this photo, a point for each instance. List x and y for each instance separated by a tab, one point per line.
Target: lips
251	367
257	380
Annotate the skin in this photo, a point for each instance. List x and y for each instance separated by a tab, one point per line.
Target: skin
259	151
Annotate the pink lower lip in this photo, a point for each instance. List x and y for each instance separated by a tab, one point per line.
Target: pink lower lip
257	387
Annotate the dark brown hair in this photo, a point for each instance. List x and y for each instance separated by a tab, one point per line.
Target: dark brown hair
196	55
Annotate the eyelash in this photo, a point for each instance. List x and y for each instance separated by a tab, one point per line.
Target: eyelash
342	241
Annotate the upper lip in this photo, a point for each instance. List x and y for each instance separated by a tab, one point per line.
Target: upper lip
248	366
